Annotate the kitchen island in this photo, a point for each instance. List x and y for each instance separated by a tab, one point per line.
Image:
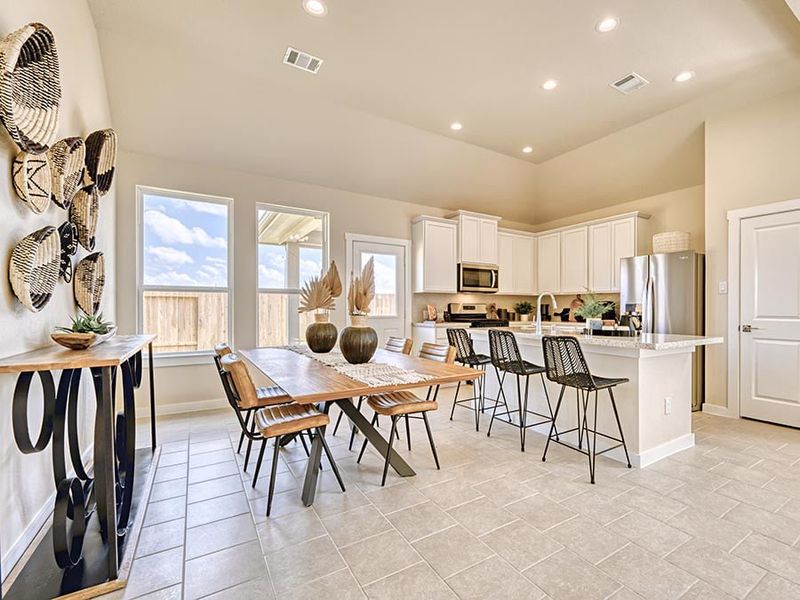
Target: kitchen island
655	406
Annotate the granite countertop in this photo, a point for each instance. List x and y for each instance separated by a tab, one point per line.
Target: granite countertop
440	324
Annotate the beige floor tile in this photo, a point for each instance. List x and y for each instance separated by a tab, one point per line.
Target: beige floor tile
396	497
173	458
155	572
216	509
215	471
165	510
771	555
566	576
701	524
418	581
168	489
625	594
278	532
759	497
503	491
791	509
260	588
481	516
646	574
653	480
219	535
420	520
158	538
715	566
692	474
558	488
770	524
597	507
340	585
649	533
210	458
452	550
379	556
773	587
521	544
218	571
209	445
589	540
296	565
694	495
331	502
650	503
170	472
541	512
206	490
355	525
704	591
742	473
450	493
494	578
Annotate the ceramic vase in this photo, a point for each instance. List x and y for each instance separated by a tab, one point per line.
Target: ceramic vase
359	341
321	334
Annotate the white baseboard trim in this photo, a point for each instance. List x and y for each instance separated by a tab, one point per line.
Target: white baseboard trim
663	451
718	411
178	408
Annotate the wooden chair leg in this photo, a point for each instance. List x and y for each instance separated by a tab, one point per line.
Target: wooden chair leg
272	475
389	451
430	439
258	462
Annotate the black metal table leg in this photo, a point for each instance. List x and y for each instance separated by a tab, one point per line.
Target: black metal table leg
312	469
400	466
151	377
105	487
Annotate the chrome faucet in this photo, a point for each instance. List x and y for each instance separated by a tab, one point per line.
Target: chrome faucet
539	309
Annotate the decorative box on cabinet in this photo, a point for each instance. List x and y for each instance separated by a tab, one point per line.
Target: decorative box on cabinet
434	247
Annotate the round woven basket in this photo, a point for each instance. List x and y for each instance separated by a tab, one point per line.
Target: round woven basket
66	167
33	269
30	87
671	241
89	281
101	159
32	180
69	246
84	212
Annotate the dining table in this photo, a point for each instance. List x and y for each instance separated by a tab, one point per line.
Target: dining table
310	381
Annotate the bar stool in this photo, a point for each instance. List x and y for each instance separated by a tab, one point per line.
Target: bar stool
465	355
566	365
507	359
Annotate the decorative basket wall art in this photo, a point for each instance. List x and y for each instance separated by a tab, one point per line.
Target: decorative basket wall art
671	241
69	246
101	159
89	281
30	87
32	180
66	166
34	266
84	212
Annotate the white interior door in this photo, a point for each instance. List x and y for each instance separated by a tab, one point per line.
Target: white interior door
770	318
389	316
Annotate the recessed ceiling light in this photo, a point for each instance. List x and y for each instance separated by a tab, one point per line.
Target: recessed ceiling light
316	8
606	25
527	149
550	84
456	126
683	76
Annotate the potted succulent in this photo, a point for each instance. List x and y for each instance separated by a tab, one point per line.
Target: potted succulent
359	341
318	295
85	331
524	310
592	310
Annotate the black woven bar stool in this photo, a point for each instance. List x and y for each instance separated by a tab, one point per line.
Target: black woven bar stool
566	365
465	355
506	359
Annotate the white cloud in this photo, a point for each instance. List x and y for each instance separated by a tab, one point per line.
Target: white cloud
171	231
270	278
170	256
171	278
209	208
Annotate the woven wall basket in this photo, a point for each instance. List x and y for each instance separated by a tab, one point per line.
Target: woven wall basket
33	270
33	180
89	281
84	212
69	246
101	159
30	88
66	166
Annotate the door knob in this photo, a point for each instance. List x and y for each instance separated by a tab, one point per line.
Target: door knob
747	328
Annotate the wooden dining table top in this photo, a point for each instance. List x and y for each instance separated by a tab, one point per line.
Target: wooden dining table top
307	380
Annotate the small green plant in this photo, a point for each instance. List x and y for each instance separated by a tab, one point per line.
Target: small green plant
593	308
84	323
523	308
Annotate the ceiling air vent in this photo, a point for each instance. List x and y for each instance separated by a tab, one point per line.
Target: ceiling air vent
302	60
630	83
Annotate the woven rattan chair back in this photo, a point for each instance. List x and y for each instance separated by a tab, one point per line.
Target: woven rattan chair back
438	352
504	350
398	344
565	363
462	342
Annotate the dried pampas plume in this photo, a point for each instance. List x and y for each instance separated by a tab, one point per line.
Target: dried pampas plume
362	290
315	295
333	281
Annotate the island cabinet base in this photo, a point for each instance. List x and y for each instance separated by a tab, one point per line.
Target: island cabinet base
655	405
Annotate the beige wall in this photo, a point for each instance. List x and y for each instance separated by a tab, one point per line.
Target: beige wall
84	108
752	158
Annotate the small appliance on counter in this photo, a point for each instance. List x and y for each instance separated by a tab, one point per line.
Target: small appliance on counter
474	314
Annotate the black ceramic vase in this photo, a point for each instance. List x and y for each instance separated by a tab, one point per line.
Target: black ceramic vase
359	341
321	335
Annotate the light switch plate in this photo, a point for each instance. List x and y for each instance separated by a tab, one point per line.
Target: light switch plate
722	287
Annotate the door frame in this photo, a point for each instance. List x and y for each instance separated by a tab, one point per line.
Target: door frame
735	218
350	238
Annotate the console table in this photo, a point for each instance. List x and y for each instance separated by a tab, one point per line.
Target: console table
107	489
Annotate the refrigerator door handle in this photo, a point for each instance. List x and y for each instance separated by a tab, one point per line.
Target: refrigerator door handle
652	305
648	310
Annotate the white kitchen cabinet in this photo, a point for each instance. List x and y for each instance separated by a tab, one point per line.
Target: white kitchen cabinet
601	257
574	260
505	262
548	262
624	244
477	237
516	257
434	244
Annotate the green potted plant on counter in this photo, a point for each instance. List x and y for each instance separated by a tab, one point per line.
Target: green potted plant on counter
317	296
592	310
524	310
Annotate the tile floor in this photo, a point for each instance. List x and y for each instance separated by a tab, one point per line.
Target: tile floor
721	520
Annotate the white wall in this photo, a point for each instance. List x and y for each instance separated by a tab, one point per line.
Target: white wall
27	481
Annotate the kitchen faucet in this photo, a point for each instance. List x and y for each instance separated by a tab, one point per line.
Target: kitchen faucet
539	309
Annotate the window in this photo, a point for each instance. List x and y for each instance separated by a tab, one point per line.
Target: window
292	248
385	303
185	270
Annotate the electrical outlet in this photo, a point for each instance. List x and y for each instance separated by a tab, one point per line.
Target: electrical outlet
668	405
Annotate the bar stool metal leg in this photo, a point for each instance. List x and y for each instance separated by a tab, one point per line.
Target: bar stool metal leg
593	455
619	426
553	424
500	380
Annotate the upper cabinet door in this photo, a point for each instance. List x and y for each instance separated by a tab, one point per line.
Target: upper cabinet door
600	258
623	235
548	263
574	260
524	254
469	239
505	260
488	241
440	257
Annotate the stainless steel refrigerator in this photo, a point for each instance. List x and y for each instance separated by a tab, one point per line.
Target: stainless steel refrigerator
668	291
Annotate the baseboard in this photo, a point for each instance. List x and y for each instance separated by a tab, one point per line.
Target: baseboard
178	408
718	411
663	451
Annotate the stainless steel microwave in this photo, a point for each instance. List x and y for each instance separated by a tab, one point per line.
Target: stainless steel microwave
477	278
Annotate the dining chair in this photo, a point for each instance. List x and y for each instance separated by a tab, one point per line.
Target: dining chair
274	422
408	405
566	365
466	355
393	344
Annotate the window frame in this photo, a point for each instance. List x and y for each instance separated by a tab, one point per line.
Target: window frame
326	240
173	359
